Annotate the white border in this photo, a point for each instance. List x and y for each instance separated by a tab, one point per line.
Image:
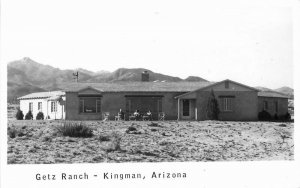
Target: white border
217	174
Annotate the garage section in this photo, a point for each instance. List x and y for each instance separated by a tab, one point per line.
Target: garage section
144	104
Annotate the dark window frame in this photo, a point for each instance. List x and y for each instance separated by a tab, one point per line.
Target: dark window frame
31	106
97	105
227	104
40	106
53	106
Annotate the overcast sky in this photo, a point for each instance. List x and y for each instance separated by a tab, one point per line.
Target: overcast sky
246	42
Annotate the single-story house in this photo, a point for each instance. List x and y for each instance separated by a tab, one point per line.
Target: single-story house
51	103
177	100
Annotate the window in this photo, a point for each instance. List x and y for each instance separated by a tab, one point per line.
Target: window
89	105
39	106
265	105
185	107
53	107
227	104
31	106
276	106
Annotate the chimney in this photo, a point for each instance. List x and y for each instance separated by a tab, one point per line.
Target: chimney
145	76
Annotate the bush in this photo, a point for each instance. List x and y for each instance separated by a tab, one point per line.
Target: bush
130	129
152	124
116	142
40	116
74	129
29	115
264	116
104	138
12	132
287	117
19	114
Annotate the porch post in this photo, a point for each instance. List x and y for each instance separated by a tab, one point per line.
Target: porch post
178	109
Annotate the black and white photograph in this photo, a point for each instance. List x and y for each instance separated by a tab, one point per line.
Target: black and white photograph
149	93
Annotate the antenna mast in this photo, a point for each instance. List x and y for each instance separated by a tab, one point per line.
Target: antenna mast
76	75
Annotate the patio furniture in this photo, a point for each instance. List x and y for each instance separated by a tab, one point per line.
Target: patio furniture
120	117
161	116
147	117
105	116
131	117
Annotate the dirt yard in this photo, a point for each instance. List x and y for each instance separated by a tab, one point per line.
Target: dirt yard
40	142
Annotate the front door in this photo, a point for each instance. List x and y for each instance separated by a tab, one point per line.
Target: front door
186	109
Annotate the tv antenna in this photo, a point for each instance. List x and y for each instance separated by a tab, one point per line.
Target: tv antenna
76	75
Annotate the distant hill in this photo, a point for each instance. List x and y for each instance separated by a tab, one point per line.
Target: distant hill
286	90
283	90
26	76
195	79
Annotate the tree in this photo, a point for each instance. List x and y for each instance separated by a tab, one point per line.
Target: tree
212	110
29	115
40	116
19	114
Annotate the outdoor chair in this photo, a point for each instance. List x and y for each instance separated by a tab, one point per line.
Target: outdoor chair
147	117
105	116
131	117
119	117
161	116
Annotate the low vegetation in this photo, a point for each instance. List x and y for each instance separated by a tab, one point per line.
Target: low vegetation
75	129
19	114
40	116
43	142
29	115
266	116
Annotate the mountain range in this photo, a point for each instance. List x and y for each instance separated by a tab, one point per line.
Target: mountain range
27	76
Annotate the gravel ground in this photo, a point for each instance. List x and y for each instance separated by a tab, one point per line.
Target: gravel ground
40	142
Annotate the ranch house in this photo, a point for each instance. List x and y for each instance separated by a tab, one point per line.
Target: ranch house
177	100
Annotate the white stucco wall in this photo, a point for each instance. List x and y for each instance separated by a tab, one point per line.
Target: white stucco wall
46	108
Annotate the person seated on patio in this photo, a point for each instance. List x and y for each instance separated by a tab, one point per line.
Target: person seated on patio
147	116
149	113
137	114
121	114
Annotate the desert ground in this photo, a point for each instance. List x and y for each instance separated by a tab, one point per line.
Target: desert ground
40	142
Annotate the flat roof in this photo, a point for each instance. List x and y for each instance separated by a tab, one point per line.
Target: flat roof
43	95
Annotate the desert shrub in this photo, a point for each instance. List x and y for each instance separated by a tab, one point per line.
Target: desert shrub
152	124
74	129
264	116
287	117
104	138
130	129
40	116
212	109
12	132
116	142
29	115
19	114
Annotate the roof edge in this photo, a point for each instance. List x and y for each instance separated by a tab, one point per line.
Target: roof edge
217	83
